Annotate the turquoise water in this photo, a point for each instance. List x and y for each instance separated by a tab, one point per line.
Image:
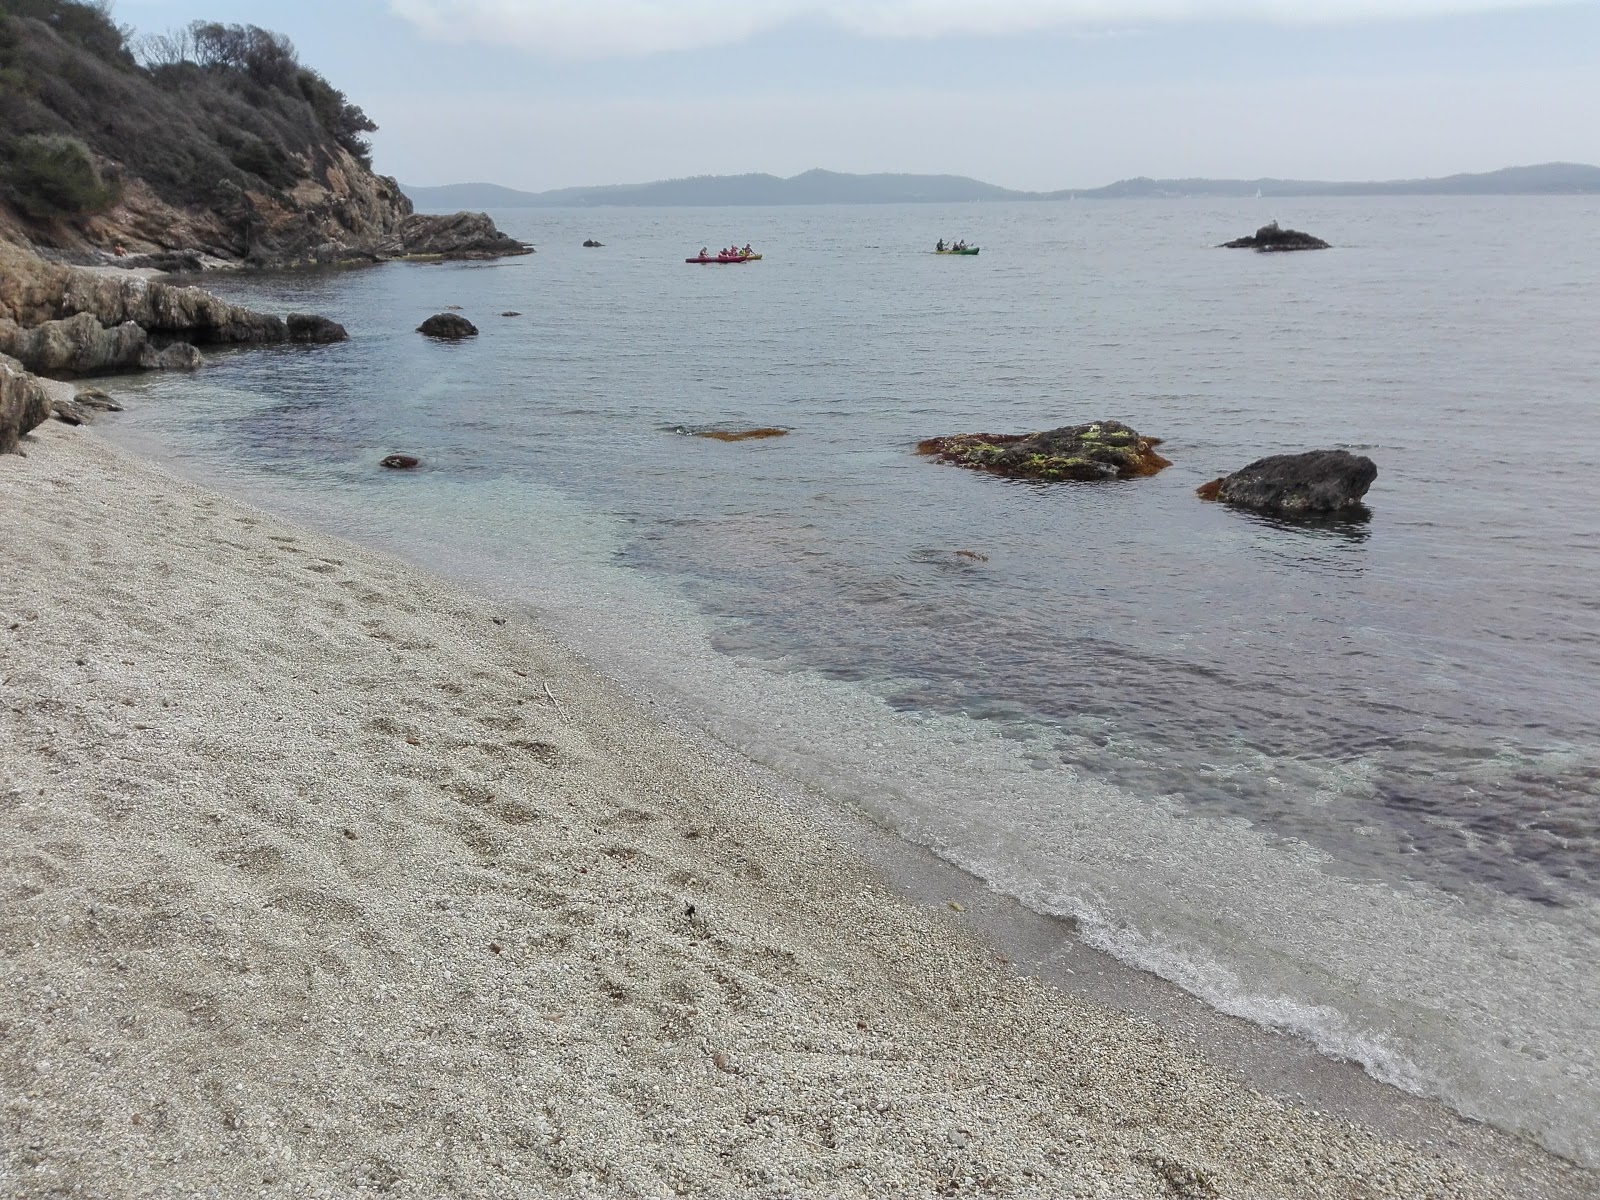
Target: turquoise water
1342	779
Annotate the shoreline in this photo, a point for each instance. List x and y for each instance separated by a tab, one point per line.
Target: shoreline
308	855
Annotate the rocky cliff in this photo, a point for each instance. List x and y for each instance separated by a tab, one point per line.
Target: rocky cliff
213	140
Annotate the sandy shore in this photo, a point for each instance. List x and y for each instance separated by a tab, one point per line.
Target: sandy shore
324	877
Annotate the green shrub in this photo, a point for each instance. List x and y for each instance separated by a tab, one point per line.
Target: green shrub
50	176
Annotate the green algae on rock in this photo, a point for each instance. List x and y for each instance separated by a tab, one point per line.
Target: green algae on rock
1083	453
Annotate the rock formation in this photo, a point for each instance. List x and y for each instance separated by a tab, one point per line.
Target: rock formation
1316	483
215	144
1086	453
591	244
24	403
1271	237
400	462
448	327
62	320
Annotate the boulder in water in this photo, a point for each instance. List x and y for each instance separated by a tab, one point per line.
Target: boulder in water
308	327
1272	237
1084	453
448	327
1316	483
401	462
591	244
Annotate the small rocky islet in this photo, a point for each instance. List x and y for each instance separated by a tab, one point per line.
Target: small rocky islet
1272	236
1100	450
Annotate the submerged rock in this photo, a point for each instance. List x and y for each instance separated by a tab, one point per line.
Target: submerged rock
1318	482
1272	237
401	462
1086	453
448	327
308	327
591	244
739	435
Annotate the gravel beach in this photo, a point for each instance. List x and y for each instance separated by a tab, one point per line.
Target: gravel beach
320	876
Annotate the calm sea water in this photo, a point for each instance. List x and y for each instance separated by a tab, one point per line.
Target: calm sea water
1343	780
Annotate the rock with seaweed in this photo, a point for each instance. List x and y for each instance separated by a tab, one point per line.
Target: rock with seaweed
1084	453
1272	237
1314	484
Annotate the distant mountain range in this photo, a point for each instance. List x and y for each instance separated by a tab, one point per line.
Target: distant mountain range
833	187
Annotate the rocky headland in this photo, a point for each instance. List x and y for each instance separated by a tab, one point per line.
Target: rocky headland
210	145
124	157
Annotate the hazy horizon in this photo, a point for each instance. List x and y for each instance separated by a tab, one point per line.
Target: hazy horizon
1036	95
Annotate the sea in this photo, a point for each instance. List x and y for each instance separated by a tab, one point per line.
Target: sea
1341	779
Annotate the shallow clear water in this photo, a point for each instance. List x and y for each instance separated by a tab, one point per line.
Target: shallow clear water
1341	779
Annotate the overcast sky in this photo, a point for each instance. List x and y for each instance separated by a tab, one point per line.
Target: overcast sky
1037	94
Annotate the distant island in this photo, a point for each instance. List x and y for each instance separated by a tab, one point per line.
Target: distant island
834	187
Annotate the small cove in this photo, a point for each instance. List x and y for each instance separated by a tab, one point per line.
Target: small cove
1340	781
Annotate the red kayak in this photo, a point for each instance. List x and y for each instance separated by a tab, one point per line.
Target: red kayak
725	258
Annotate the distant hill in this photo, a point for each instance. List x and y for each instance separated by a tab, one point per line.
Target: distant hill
833	187
1549	179
812	187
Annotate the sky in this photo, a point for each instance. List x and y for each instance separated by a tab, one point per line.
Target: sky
1035	94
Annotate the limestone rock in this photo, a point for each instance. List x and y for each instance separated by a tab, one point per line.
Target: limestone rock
1318	482
179	356
1085	453
1271	237
448	327
78	345
24	403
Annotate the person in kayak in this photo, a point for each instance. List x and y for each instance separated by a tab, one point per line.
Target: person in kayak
939	246
704	253
747	252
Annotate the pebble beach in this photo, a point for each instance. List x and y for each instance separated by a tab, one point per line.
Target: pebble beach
323	876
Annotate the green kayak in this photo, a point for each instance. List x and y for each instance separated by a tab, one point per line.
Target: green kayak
968	250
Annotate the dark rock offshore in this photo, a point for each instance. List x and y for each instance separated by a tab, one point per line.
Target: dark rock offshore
448	327
1316	483
401	462
1085	453
1271	237
308	327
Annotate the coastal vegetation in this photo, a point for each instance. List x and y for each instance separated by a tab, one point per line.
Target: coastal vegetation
52	176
